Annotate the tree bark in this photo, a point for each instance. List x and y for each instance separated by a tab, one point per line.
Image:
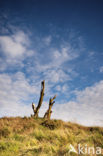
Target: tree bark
49	111
36	110
33	107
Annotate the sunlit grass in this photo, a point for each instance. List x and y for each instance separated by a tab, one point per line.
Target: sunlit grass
38	137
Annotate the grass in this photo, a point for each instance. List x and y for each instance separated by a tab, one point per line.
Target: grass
38	137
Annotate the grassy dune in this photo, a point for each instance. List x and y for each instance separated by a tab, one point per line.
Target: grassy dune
38	137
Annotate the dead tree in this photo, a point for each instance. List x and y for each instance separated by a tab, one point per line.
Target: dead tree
49	111
36	109
33	107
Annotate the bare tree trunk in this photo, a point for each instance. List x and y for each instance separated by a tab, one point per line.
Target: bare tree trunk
33	107
49	111
36	110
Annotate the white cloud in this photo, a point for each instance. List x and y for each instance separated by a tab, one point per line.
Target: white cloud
91	53
12	46
21	37
101	69
63	55
58	88
91	95
14	90
53	70
55	58
56	75
62	89
86	110
47	40
16	109
14	49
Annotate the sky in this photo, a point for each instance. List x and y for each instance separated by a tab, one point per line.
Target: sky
59	41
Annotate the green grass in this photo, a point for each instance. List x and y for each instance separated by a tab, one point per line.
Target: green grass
38	137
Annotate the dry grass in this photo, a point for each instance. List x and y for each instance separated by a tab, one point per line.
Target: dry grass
38	137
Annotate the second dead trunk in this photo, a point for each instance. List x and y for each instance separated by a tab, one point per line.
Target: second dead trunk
49	111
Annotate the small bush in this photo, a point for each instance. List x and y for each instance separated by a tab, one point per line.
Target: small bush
5	132
52	124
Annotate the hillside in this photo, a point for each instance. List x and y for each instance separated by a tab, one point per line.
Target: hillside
38	137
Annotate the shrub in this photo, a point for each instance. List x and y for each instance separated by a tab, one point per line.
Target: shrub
5	132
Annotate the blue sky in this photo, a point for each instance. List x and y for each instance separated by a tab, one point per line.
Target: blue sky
59	41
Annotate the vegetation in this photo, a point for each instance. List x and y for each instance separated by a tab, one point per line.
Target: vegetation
31	136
